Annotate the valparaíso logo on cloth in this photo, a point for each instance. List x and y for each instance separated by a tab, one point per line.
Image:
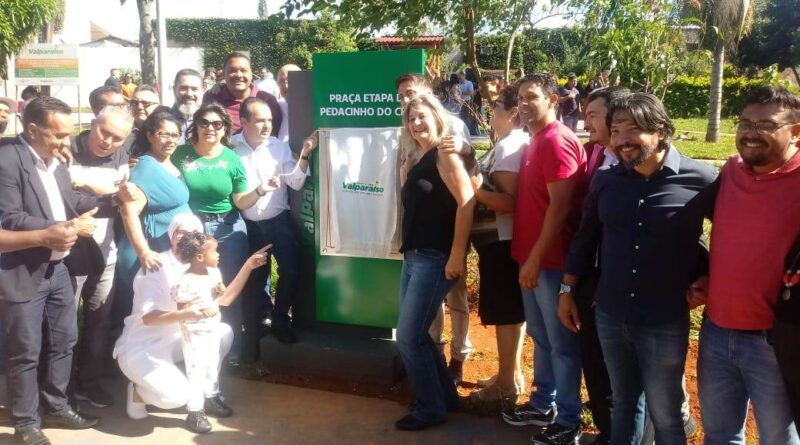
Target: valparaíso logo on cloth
363	188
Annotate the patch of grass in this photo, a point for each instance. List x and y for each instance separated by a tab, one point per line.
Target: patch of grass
698	124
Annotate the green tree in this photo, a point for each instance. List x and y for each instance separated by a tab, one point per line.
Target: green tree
147	41
461	18
639	40
775	38
20	22
731	20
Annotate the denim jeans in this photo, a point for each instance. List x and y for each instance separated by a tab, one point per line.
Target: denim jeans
557	357
645	365
733	367
231	234
422	290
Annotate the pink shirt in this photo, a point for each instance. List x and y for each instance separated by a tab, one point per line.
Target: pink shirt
554	154
756	220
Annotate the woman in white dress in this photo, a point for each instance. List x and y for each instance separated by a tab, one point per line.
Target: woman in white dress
150	344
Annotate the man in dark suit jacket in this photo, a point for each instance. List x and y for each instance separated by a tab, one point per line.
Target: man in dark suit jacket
37	302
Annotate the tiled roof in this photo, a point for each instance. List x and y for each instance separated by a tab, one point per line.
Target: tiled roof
418	39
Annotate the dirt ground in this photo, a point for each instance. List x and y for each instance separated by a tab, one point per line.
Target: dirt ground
483	363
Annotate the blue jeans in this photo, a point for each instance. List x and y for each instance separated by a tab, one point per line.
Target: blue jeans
733	367
231	234
649	361
557	361
422	290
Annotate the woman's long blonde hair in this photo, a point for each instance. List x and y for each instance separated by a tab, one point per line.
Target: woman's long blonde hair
412	151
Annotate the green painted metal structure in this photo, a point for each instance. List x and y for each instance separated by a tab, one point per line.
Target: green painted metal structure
356	90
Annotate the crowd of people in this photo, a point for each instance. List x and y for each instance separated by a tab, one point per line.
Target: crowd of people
156	219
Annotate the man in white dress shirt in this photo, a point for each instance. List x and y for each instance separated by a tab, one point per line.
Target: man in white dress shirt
270	168
283	99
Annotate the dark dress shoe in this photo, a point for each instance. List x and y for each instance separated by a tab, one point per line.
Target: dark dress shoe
456	370
411	423
70	420
31	436
215	407
197	422
284	334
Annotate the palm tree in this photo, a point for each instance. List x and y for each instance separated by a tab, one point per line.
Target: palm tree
147	41
732	20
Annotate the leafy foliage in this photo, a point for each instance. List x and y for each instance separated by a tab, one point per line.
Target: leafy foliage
20	22
688	96
638	39
775	37
556	51
272	42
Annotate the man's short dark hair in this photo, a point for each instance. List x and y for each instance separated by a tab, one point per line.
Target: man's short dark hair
545	81
775	95
96	101
187	72
414	78
648	114
236	55
38	110
609	94
245	111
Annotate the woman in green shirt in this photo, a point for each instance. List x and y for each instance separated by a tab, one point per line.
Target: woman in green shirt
218	188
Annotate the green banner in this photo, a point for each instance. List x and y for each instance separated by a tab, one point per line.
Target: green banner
357	90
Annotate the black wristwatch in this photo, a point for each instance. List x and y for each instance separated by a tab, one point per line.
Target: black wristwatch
565	289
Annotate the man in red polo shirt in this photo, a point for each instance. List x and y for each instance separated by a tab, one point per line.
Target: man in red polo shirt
238	87
756	220
552	183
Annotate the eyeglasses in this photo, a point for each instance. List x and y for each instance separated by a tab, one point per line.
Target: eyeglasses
145	104
204	123
163	137
762	128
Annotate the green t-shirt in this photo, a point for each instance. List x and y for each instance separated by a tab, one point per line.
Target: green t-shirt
210	181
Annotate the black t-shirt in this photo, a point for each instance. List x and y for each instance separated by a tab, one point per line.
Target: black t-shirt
789	310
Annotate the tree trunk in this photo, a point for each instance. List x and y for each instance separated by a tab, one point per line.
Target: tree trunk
472	58
715	95
147	42
796	75
510	50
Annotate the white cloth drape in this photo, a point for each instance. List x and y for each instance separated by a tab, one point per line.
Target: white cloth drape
359	192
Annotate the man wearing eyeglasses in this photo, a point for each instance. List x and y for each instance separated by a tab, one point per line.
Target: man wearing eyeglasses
142	105
755	220
99	165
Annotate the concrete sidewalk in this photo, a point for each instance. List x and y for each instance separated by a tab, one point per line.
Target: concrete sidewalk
267	413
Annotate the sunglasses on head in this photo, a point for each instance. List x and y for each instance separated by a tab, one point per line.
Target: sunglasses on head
205	123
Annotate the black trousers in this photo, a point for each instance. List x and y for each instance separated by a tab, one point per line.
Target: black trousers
785	340
44	327
595	373
282	234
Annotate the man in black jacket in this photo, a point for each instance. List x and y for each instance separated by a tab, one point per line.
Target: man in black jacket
36	298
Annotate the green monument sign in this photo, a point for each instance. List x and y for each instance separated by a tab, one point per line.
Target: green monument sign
356	90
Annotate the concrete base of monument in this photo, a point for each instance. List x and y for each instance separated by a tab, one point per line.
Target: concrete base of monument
337	352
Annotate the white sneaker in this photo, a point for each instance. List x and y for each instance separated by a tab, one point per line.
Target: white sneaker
135	410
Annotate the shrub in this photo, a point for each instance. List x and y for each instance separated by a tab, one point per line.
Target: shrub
688	96
272	42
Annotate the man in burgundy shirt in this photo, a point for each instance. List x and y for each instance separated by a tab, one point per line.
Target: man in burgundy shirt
756	219
552	182
239	86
